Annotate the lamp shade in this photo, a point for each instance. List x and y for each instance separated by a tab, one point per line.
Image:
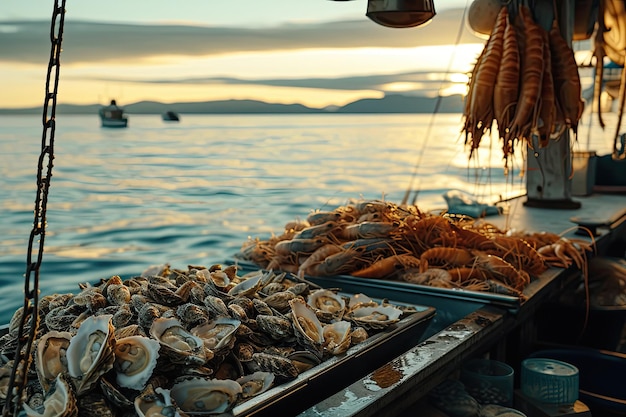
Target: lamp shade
400	13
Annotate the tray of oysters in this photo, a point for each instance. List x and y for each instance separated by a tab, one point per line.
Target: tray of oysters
205	341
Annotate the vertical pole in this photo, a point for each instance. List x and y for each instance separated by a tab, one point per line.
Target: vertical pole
549	169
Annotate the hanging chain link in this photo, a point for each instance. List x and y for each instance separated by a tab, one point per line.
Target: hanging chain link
27	330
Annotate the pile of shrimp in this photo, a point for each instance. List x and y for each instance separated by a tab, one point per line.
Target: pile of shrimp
526	81
382	240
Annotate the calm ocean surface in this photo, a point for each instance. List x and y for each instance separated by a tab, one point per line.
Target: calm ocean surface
193	192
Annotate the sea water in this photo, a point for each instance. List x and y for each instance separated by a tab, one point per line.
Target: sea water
192	192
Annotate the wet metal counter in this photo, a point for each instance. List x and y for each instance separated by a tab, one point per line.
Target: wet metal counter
465	328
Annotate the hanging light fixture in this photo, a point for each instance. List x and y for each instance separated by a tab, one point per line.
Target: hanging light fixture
400	13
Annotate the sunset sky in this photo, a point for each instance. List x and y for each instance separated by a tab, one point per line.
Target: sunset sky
314	52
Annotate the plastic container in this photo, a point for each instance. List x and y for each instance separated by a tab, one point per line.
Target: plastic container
488	381
549	381
602	386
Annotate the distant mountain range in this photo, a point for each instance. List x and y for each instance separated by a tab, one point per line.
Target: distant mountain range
391	103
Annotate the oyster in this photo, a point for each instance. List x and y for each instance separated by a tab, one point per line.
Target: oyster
304	360
135	360
337	337
177	343
217	334
59	401
307	327
327	304
375	317
247	287
277	364
202	396
51	356
358	335
255	383
90	352
278	327
155	402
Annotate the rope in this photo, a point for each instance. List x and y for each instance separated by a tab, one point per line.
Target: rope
29	320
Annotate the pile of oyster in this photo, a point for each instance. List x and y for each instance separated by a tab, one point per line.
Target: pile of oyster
184	342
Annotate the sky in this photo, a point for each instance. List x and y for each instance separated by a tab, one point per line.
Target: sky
314	52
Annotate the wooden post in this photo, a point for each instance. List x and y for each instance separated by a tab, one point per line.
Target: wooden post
549	169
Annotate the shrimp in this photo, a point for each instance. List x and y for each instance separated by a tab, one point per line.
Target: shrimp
368	229
519	253
300	246
566	78
317	257
547	106
498	268
339	263
388	266
481	113
506	90
531	76
446	257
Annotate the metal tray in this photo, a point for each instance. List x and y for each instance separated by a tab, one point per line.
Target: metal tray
349	282
408	292
325	379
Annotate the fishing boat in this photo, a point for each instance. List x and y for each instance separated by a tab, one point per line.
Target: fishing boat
113	115
170	116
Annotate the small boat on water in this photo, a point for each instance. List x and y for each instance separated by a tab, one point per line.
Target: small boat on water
170	116
113	115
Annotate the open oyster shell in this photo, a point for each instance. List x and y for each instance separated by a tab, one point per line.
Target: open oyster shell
135	360
202	396
255	383
337	337
177	343
59	401
90	352
374	317
307	327
51	357
327	304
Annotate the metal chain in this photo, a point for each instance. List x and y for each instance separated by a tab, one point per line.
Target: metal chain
22	360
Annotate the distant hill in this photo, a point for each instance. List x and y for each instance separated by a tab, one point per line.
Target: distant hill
392	103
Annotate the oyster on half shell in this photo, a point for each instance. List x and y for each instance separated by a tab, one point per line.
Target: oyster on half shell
177	343
59	401
337	337
374	317
255	383
51	356
202	396
327	304
135	360
90	352
307	327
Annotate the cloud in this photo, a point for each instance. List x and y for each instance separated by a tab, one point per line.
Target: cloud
89	42
351	83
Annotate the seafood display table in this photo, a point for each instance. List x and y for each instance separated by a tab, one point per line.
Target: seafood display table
404	380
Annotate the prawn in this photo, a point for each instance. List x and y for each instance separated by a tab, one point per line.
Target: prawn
481	113
388	266
446	257
566	78
531	72
506	90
